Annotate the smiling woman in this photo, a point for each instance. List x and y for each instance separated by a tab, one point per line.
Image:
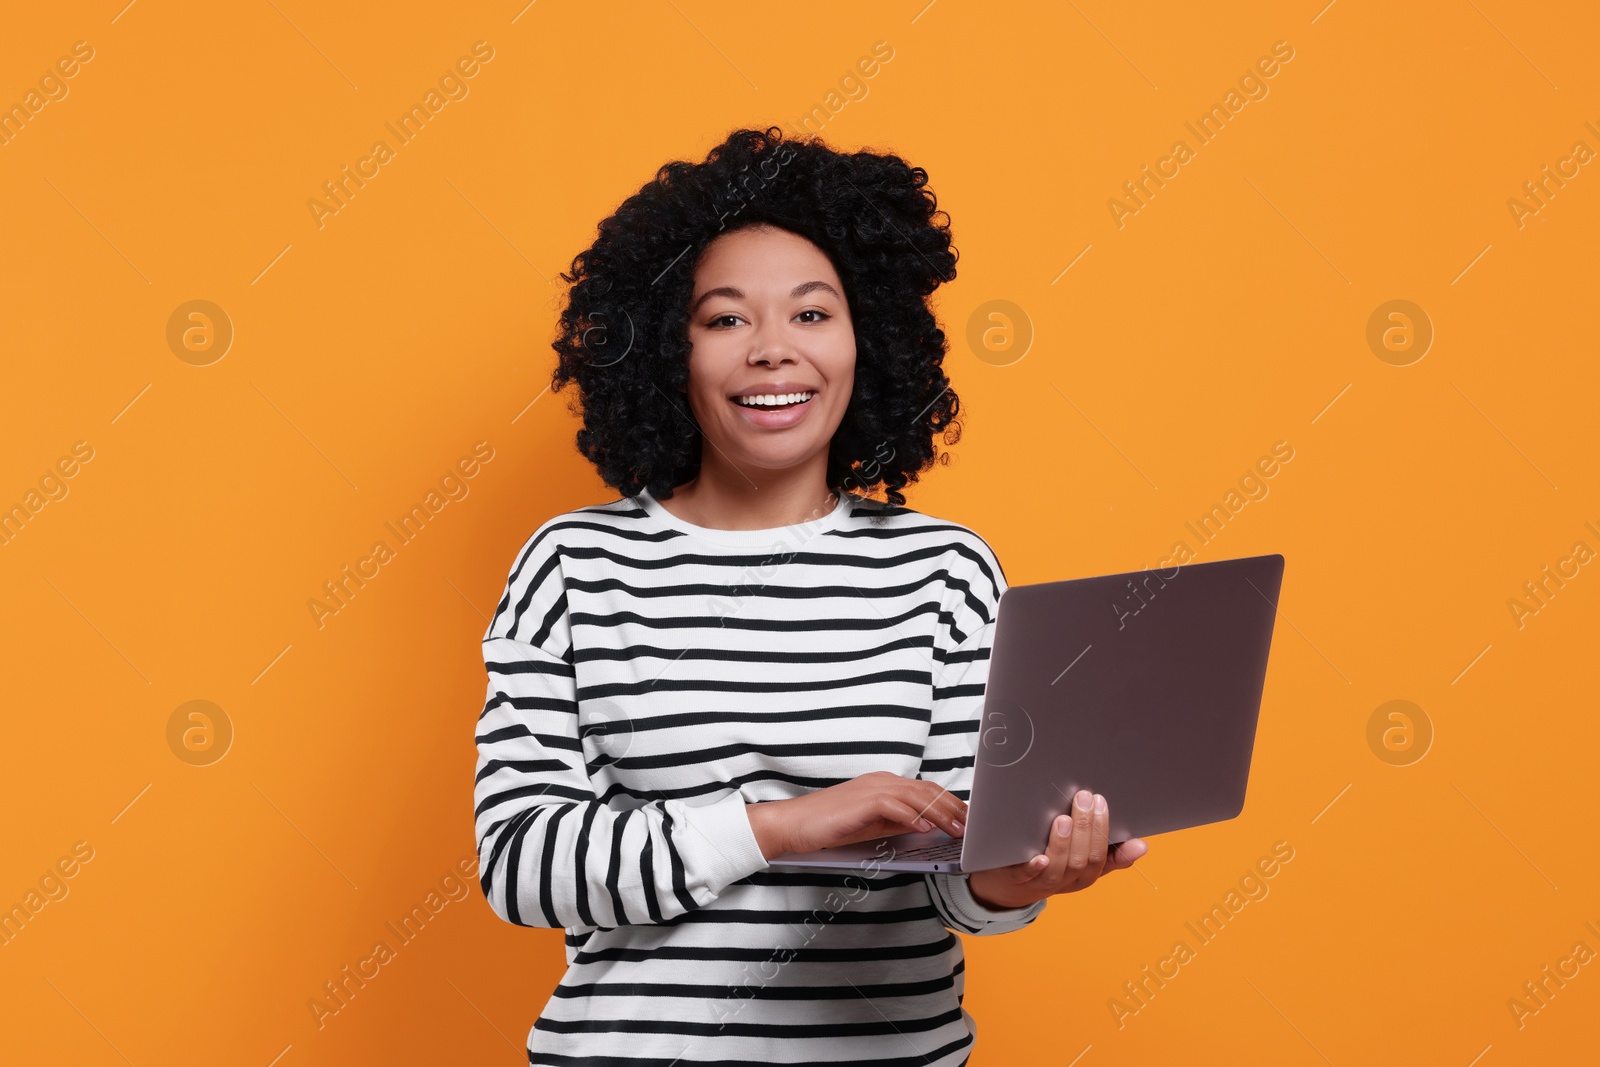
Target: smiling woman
745	653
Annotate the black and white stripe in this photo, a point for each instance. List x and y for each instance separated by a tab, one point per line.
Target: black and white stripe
646	680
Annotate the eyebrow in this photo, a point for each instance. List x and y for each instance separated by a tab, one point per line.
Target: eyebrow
738	294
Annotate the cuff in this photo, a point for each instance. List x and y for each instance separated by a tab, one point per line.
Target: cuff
721	834
966	906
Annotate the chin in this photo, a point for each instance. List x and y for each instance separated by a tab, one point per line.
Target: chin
782	462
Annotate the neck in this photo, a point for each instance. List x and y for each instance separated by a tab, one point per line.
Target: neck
722	498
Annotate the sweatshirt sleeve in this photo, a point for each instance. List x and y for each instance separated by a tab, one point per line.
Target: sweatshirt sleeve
551	852
964	637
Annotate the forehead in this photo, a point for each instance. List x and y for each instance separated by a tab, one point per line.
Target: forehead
756	254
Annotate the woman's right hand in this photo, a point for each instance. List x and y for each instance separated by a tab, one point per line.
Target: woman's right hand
877	804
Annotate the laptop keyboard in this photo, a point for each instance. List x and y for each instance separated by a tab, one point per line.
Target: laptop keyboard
946	850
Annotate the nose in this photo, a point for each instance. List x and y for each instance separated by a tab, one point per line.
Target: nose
772	359
769	346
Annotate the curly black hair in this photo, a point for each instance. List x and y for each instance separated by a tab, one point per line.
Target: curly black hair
623	334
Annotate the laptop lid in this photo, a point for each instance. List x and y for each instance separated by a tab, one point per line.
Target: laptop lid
1143	686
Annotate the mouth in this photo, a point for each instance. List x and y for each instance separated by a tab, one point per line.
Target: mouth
773	402
773	411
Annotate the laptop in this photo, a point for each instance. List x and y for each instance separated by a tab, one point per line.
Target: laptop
1143	686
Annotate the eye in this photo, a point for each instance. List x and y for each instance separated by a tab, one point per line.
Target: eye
816	311
713	323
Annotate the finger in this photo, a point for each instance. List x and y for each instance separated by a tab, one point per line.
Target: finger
944	807
896	811
1053	871
1126	853
938	806
1100	834
1082	825
951	805
956	808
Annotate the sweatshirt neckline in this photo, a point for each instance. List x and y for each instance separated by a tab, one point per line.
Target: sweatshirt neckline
796	532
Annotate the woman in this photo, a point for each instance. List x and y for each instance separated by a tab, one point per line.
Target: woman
745	654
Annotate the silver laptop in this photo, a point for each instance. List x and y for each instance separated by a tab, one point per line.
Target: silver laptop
1143	686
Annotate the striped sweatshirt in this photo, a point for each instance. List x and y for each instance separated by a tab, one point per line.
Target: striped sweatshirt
648	679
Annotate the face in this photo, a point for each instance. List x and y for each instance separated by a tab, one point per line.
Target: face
768	316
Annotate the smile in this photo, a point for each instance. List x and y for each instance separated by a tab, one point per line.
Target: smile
773	400
773	411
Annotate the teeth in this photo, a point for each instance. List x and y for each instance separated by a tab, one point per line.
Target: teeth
771	399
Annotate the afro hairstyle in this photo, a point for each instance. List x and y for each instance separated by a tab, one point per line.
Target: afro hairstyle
623	330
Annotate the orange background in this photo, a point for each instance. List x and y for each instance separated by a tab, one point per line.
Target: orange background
370	353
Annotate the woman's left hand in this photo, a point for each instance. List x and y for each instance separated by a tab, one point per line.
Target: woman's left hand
1074	858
